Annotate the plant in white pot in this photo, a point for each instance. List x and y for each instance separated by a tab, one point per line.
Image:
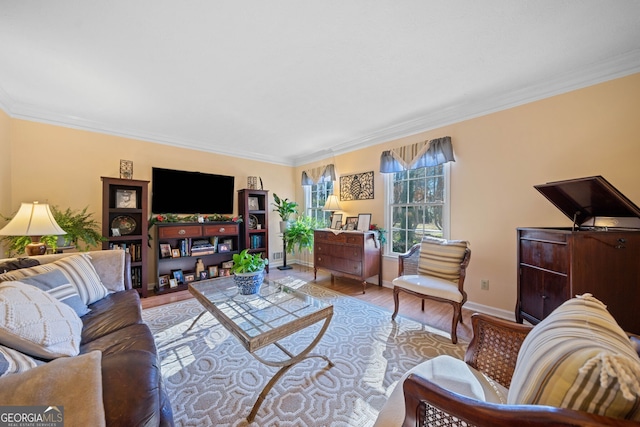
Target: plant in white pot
248	270
285	209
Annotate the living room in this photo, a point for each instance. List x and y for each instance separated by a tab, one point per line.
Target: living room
572	127
499	158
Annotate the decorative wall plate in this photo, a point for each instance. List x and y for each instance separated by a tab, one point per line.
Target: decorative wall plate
124	223
253	222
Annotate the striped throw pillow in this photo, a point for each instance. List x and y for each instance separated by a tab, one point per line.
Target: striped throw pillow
56	284
441	258
14	362
579	358
77	268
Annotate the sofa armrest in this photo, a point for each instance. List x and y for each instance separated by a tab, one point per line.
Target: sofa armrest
426	402
494	347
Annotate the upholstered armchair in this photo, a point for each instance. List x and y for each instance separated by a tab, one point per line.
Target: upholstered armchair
434	269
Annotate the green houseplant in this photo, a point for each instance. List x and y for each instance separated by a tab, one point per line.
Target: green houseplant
248	270
79	225
299	234
285	209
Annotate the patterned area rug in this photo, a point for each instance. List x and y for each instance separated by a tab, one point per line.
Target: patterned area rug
213	381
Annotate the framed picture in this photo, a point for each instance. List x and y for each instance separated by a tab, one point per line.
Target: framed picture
175	253
350	226
225	272
353	220
163	280
253	203
178	275
227	264
165	250
358	186
336	221
189	277
364	221
115	232
229	243
126	169
204	274
173	283
126	199
213	271
223	247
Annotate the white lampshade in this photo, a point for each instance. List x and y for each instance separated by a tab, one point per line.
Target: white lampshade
35	220
332	204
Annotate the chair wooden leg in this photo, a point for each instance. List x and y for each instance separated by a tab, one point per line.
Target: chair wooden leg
422	304
457	314
396	302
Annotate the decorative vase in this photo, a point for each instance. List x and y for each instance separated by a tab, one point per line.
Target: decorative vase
249	283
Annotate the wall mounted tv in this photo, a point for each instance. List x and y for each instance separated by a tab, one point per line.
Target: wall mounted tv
182	192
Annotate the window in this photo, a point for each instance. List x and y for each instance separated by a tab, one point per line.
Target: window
417	203
315	198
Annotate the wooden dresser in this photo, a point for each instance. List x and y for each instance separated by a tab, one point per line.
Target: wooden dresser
599	255
352	254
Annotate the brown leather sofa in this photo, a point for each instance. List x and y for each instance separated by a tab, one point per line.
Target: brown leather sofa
132	384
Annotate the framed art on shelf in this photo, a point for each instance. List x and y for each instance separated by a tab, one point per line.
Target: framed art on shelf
213	271
178	275
175	253
253	204
364	221
165	250
336	221
353	221
163	280
126	199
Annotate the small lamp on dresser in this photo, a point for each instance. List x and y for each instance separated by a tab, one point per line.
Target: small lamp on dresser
331	205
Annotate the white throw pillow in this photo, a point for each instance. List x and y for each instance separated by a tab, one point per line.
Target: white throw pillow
35	323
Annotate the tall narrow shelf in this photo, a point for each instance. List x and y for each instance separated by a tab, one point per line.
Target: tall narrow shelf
124	223
253	205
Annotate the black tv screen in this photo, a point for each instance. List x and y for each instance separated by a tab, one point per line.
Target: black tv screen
182	192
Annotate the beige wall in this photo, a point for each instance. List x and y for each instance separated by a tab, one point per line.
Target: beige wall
501	156
63	166
5	164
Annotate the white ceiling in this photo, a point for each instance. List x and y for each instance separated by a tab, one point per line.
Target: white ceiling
293	81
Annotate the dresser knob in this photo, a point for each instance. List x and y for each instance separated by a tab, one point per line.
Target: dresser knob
182	232
222	229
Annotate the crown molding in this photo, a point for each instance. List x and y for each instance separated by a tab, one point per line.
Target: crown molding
616	67
610	69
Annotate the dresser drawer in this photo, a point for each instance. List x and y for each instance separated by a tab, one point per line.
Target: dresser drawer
337	264
179	231
220	229
340	238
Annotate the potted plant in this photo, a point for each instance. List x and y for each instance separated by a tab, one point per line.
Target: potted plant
285	209
299	234
248	270
79	225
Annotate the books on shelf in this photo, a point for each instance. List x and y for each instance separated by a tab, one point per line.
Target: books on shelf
134	249
257	241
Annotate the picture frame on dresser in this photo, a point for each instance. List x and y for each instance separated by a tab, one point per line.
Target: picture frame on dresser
336	221
165	250
364	222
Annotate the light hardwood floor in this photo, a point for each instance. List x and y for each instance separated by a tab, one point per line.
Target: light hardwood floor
437	315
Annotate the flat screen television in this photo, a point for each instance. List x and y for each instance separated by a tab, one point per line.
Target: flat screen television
183	192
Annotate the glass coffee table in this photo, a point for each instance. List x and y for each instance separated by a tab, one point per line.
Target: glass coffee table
257	321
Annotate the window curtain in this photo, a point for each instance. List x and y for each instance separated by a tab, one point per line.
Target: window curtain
418	155
320	174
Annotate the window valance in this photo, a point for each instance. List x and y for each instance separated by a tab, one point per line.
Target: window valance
418	155
320	174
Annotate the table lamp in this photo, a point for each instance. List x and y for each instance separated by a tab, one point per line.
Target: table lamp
332	205
34	220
